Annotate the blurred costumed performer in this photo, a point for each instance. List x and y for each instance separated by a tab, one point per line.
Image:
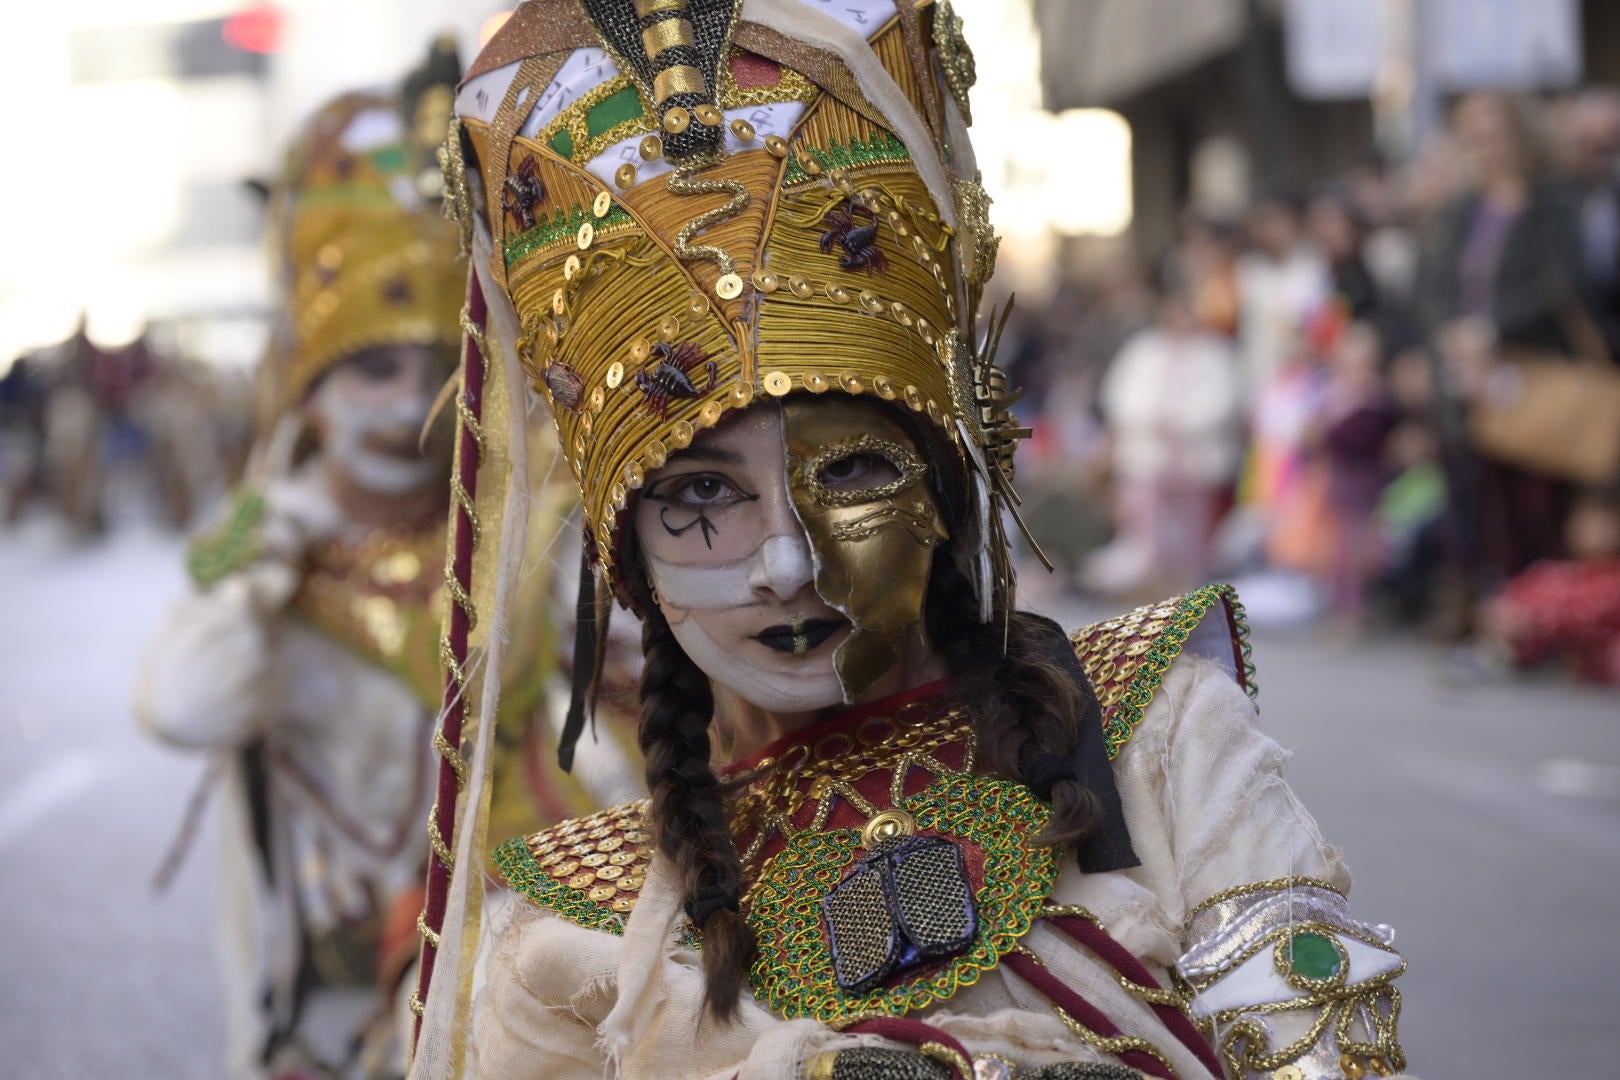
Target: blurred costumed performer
307	659
897	828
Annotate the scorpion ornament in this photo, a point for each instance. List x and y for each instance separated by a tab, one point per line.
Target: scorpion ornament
522	192
854	228
670	378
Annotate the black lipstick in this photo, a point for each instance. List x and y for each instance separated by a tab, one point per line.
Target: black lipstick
799	637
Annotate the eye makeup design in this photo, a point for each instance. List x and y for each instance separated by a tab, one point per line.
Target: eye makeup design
694	496
864	469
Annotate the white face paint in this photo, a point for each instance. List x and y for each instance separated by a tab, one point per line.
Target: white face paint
370	411
732	569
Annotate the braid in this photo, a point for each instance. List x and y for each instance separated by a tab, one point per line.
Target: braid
688	816
1027	709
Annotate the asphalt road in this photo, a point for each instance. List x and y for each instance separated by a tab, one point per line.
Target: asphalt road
1483	821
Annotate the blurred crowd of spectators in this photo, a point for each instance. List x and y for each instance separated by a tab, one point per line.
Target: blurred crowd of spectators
95	435
1288	399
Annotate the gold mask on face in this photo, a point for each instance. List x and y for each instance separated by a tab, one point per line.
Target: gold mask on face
861	491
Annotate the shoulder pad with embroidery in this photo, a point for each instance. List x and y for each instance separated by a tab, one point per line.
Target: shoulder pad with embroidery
589	869
1126	657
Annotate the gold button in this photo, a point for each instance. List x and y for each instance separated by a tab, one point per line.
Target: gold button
810	165
626	176
708	115
655	455
886	826
582	881
633	476
767	282
622	858
870	301
741	395
624	904
885	388
1351	1066
816	382
587	233
618	495
570	267
709	415
913	397
652	148
838	294
776	146
602	892
615	374
559	302
610	873
851	382
729	287
640	349
612	843
603	203
668	327
677	120
743	130
800	286
680	435
598	399
697	306
594	860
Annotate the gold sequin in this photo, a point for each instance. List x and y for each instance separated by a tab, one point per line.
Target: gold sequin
633	476
640	349
697	306
729	287
800	286
587	233
677	120
655	455
885	388
594	860
668	327
838	294
619	496
913	397
777	383
602	892
582	881
598	399
810	165
602	204
626	176
615	374
767	282
680	436
851	382
652	148
743	130
776	146
709	415
741	395
815	382
570	267
870	302
709	116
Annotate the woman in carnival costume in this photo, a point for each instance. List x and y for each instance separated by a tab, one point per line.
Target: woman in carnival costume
896	827
307	658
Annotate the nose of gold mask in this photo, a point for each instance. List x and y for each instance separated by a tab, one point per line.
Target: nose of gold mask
861	490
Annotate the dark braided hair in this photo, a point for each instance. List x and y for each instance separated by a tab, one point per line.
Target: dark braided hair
1027	707
688	814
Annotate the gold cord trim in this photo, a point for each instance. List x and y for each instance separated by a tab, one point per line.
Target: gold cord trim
463	498
417	1008
450	754
462	600
1117	1045
954	1058
436	839
430	935
681	183
1273	885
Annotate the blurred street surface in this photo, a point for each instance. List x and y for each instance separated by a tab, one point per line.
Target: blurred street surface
1482	820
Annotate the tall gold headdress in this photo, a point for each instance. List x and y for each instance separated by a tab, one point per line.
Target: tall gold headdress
362	256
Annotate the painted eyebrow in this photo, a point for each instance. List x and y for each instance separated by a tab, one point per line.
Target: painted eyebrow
707	454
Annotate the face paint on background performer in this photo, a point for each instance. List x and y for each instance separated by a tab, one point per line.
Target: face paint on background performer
895	827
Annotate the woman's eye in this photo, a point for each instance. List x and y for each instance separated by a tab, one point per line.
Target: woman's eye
701	490
377	366
857	472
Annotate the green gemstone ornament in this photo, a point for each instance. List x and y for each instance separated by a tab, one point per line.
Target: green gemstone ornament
1314	956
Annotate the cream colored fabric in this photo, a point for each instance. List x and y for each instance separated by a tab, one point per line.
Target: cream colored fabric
229	667
1207	806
